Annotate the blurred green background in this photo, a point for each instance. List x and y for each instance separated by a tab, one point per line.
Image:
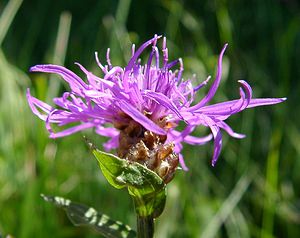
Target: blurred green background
254	189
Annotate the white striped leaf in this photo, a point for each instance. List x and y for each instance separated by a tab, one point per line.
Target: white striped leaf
82	215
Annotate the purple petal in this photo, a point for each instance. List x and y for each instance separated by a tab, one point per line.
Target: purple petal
74	81
248	90
217	138
136	96
113	143
62	101
172	64
192	140
147	79
97	94
140	118
229	130
68	131
201	85
104	70
107	131
113	72
163	100
217	143
179	136
265	101
34	103
225	107
71	130
61	117
215	85
182	163
135	57
240	104
139	51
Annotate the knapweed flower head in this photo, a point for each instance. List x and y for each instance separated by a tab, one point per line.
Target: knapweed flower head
139	108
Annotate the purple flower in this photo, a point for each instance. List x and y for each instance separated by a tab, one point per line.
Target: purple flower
142	99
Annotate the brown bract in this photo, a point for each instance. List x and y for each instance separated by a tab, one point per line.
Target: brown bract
147	148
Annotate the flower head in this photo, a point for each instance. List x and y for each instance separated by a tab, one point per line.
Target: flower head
139	107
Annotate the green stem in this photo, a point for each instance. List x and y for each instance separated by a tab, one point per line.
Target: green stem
145	227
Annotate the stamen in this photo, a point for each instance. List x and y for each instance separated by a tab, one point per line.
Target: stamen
201	85
180	70
165	52
155	40
104	70
132	50
108	58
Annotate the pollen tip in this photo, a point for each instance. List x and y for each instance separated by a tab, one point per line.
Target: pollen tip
33	68
184	168
224	48
52	136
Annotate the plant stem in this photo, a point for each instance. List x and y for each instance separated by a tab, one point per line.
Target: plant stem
145	227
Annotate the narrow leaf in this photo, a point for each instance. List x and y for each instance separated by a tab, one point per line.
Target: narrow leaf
82	215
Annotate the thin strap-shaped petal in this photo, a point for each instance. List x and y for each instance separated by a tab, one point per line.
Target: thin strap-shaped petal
67	75
217	138
240	104
217	144
140	118
192	140
104	70
136	96
248	90
223	107
215	85
201	85
107	131
182	163
108	59
163	100
265	101
34	103
229	130
68	131
139	51
113	143
107	83
172	64
187	130
147	79
223	112
113	71
71	130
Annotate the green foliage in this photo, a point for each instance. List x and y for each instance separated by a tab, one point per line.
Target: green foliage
254	189
146	187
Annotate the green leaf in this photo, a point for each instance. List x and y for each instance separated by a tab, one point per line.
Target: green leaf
82	215
146	187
